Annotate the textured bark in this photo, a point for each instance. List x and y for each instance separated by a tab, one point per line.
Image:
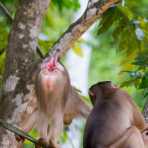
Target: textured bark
94	10
20	56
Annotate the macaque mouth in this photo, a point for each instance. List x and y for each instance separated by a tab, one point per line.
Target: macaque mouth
52	64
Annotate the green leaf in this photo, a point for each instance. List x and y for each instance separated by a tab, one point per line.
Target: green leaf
144	82
126	12
107	20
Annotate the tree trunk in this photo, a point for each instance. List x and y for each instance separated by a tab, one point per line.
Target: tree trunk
20	56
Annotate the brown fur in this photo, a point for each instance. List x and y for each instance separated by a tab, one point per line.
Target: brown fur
57	103
114	112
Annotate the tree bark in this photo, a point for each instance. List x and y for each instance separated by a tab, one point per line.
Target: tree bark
20	56
94	11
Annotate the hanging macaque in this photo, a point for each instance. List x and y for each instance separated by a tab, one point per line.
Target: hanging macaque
57	102
52	88
115	121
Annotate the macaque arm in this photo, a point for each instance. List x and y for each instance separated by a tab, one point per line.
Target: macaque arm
119	142
131	138
75	107
138	118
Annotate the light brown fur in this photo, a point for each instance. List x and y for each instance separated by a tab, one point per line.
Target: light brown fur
113	114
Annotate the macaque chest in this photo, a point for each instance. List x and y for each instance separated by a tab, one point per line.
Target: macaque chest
50	89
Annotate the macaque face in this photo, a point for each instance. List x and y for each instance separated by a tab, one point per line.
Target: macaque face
52	65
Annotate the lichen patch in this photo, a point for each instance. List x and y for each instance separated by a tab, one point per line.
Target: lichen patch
21	26
11	83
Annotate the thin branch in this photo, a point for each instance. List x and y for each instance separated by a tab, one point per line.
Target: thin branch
8	15
20	133
95	10
39	52
6	12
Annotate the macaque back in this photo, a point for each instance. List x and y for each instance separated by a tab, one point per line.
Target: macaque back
112	114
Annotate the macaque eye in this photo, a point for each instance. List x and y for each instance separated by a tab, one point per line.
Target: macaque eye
92	94
146	133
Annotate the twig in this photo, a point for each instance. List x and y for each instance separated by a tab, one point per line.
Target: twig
6	12
39	52
20	133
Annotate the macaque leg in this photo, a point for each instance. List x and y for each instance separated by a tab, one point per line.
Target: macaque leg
53	130
131	139
56	130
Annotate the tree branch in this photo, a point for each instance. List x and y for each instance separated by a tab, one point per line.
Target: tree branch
20	133
6	12
95	9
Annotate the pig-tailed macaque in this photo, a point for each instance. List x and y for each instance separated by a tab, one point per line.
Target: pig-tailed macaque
52	87
115	121
57	103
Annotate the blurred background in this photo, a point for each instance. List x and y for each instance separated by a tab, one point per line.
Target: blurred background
115	48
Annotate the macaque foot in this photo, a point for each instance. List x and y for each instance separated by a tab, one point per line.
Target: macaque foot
19	139
41	142
53	144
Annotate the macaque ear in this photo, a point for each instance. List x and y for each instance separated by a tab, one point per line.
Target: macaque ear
92	97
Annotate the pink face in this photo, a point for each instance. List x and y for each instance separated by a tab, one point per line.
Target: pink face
50	65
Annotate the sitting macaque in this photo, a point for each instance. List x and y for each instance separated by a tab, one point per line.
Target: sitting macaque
57	103
115	121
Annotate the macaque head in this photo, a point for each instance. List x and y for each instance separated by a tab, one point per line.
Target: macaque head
101	90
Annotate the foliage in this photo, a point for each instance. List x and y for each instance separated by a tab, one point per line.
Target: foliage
128	28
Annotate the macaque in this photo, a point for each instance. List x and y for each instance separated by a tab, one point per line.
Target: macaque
52	87
115	121
57	103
